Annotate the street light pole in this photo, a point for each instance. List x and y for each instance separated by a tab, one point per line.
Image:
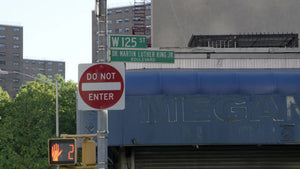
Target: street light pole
56	110
56	93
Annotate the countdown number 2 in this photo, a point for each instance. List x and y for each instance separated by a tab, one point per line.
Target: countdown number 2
72	151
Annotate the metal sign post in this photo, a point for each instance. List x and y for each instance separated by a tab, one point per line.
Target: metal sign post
102	127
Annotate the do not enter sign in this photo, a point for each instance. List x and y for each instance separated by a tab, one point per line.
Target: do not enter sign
101	86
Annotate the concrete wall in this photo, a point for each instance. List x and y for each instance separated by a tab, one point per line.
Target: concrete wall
174	21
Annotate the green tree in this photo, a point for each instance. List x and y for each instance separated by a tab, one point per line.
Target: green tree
31	122
67	103
5	101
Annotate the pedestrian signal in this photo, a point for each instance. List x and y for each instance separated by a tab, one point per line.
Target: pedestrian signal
62	151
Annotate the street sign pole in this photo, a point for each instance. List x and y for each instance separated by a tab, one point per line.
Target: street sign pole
102	137
102	126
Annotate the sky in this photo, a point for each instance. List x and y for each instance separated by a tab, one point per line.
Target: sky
57	30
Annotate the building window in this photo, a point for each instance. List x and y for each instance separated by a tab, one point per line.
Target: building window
109	22
41	69
16	29
2	28
126	10
148	7
50	70
137	8
33	69
119	11
2	62
16	80
41	63
137	19
2	36
2	54
50	63
148	17
33	62
126	19
109	12
16	38
17	55
127	29
2	45
118	30
26	68
119	21
2	80
50	76
60	64
60	70
16	63
16	89
16	46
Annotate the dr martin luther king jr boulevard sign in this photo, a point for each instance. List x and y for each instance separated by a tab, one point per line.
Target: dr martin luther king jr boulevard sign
129	48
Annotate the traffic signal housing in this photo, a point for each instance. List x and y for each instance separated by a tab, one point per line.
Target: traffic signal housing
62	151
88	151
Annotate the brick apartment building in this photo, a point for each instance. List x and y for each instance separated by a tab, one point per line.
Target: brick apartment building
11	59
124	20
48	68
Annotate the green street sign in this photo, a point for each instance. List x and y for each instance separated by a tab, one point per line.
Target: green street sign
123	41
123	55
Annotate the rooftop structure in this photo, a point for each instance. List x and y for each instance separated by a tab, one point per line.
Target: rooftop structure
289	40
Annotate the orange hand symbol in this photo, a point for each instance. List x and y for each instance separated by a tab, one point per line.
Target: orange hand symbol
55	153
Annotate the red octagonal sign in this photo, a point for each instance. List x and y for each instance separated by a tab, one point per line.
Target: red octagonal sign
101	86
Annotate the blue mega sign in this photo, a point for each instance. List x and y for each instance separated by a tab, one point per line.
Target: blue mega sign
206	119
207	107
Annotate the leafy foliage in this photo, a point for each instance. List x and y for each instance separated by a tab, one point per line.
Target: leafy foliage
29	121
4	100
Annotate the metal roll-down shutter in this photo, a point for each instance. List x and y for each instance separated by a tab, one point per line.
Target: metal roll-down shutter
218	157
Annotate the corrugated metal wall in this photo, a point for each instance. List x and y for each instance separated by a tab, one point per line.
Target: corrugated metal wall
218	157
228	58
223	64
